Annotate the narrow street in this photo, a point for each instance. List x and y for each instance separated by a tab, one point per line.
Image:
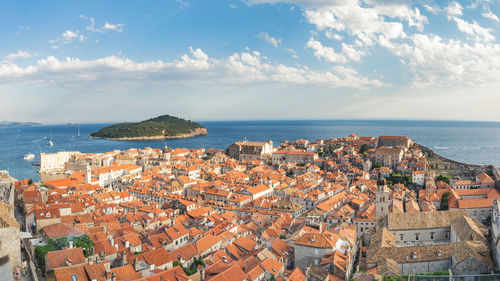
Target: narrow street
20	219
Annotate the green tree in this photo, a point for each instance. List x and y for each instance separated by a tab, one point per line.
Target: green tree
364	148
53	245
444	201
84	242
30	182
40	253
444	178
377	165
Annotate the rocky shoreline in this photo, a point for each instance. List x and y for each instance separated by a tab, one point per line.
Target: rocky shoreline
194	133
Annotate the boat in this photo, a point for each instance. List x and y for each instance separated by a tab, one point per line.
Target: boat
50	139
78	131
35	163
29	156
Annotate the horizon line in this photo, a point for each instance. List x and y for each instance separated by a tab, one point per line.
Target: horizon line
268	120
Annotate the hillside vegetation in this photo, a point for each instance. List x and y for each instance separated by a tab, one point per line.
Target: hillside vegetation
166	125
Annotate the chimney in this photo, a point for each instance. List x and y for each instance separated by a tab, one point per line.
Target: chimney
71	244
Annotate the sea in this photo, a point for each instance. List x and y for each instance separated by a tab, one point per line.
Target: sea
470	142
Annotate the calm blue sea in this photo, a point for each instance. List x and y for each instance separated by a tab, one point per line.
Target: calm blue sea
472	142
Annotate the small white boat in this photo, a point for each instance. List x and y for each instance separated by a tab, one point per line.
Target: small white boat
29	156
50	143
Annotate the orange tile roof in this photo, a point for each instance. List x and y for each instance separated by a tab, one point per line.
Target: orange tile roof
62	257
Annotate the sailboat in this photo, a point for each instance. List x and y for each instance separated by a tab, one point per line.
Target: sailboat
78	130
50	140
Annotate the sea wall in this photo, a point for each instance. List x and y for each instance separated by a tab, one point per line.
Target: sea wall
452	167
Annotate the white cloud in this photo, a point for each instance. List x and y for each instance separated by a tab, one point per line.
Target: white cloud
194	68
106	27
109	26
490	15
454	9
68	35
333	36
435	60
19	55
183	4
233	6
433	9
269	39
475	30
359	21
292	52
351	52
324	52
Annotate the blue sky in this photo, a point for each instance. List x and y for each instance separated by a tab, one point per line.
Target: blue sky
105	61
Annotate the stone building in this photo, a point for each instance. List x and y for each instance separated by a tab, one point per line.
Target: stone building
422	227
389	156
250	150
393	141
414	243
381	199
10	236
495	231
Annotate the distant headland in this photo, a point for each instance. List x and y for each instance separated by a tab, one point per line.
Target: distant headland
18	124
161	127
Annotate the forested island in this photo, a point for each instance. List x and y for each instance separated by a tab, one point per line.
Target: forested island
161	127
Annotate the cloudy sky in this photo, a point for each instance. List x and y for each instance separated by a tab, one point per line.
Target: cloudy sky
104	61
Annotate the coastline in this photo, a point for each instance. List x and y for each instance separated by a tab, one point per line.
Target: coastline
195	133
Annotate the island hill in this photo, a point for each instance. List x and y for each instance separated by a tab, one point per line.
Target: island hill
162	127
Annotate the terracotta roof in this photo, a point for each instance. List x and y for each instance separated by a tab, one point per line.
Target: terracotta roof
60	230
126	272
317	240
65	257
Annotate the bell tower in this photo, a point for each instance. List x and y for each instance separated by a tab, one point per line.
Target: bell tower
88	174
381	199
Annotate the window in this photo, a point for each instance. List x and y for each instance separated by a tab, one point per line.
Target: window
401	237
417	236
432	235
316	261
316	252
